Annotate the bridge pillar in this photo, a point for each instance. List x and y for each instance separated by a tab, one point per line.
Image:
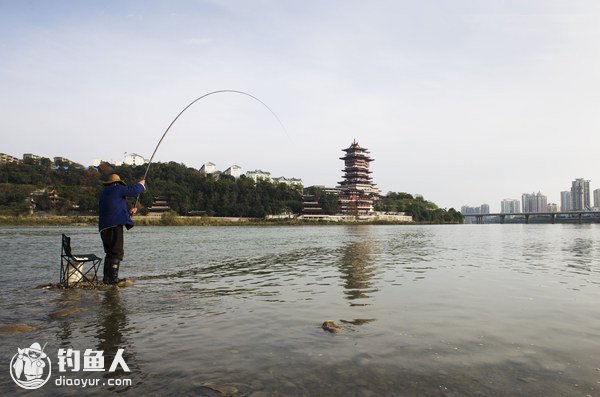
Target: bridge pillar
579	216
527	219
553	216
502	218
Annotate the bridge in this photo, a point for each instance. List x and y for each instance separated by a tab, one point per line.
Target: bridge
578	216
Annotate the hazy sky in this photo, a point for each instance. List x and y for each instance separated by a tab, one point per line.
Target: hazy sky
464	102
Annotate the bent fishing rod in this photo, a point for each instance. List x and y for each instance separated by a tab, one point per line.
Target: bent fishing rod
188	106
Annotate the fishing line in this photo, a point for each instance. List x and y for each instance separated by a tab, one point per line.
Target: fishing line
188	106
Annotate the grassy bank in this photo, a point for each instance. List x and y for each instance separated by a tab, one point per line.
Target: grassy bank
51	220
55	220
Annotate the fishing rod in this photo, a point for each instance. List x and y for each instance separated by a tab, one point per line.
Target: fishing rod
188	106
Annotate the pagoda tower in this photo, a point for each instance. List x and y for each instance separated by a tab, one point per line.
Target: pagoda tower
357	190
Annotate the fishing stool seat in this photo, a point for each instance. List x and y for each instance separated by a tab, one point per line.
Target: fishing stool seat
80	268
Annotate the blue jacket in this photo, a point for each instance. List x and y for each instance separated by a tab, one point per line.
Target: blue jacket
113	206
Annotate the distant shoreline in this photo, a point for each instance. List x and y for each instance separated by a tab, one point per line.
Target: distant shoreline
84	220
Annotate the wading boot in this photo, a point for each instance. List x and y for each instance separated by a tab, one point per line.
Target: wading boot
114	276
107	271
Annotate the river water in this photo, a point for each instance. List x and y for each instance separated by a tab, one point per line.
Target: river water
490	310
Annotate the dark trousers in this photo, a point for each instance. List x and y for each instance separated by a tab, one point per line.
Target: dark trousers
112	239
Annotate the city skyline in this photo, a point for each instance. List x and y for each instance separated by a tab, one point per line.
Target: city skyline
579	198
469	102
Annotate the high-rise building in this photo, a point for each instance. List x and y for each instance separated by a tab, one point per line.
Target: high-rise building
510	206
482	209
565	201
357	190
534	202
465	209
580	195
597	198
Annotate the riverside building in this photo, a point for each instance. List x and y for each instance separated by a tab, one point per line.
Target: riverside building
565	201
510	206
534	202
482	209
580	195
357	190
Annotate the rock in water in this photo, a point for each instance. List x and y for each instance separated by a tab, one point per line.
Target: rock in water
331	326
125	283
69	311
221	390
8	329
120	284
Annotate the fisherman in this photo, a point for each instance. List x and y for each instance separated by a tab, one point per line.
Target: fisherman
113	215
30	362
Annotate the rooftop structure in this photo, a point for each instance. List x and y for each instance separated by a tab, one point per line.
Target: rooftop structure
62	160
134	159
357	190
32	158
65	163
235	171
257	175
289	181
311	206
208	168
159	206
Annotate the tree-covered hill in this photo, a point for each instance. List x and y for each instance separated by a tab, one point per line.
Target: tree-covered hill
420	209
64	190
186	189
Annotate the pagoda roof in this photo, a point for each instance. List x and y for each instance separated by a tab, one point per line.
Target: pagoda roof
355	146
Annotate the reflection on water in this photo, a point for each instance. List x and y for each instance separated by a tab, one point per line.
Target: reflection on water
583	252
67	305
413	251
113	327
425	310
357	267
112	320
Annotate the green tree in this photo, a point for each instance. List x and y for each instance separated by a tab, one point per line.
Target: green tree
416	206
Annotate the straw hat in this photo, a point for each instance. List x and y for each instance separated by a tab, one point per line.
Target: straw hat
113	178
37	349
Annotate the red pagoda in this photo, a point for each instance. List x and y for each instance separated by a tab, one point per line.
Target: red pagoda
357	191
